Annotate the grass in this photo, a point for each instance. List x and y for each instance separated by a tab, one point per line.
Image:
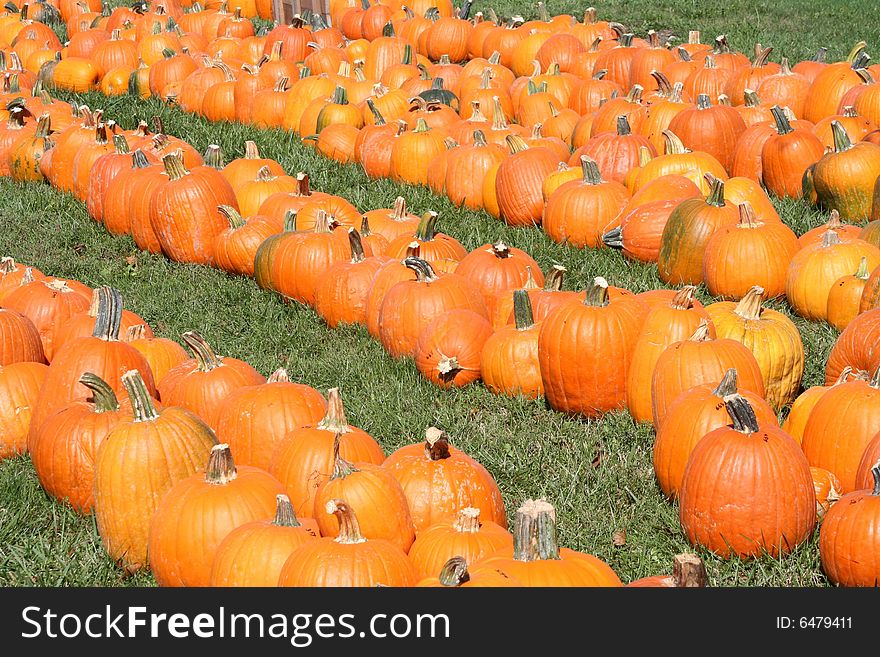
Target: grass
598	474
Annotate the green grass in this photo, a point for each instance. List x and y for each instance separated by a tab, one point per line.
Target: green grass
598	474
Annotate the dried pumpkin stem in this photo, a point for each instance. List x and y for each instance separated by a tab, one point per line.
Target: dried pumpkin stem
349	529
436	444
468	521
334	419
422	268
205	357
534	535
108	318
875	471
454	572
689	571
285	516
279	376
842	141
231	215
142	403
221	468
523	314
357	247
684	298
214	157
727	386
341	467
597	295
174	166
105	400
555	277
741	413
136	332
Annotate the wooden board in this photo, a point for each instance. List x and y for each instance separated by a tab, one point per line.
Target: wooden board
283	11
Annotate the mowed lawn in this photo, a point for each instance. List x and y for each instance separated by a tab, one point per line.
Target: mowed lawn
597	473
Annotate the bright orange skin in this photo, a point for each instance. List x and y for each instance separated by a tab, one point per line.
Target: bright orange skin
135	466
437	491
64	449
161	354
46	307
827	488
692	415
82	325
579	213
301	259
494	271
235	248
341	294
254	553
458	333
20	385
19	339
856	347
595	381
438	543
254	419
518	185
844	299
839	429
571	569
510	364
847	540
194	516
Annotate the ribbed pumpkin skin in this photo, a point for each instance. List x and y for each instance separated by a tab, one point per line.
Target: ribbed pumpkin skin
692	415
20	385
327	563
664	325
845	180
856	347
136	465
438	543
712	130
126	206
518	185
775	342
438	490
46	304
847	540
253	419
161	354
299	260
571	569
796	420
509	364
64	449
498	268
184	214
870	457
688	363
641	229
770	505
410	306
593	382
685	235
387	277
254	553
814	270
841	426
459	335
580	213
377	498
19	339
194	516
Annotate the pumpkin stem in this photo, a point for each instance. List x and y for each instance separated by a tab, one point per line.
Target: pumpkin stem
302	182
830	238
741	414
590	170
875	471
357	247
500	250
285	516
516	144
468	521
349	529
522	310
454	572
701	334
820	55
205	357
716	193
290	221
436	444
749	307
684	298
174	166
783	127
265	174
727	385
447	367
221	468
747	218
673	144
423	269
555	277
862	272
103	396
689	571
7	265
279	376
842	141
231	215
141	402
597	295
534	534
412	251
251	152
427	227
334	420
109	314
120	144
341	467
613	238
664	86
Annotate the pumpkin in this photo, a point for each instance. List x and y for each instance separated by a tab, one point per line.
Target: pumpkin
509	362
448	351
536	560
615	153
595	382
580	212
63	450
688	571
844	178
496	269
827	489
137	463
13	275
844	231
202	383
693	414
236	247
412	152
772	338
433	245
696	360
845	296
786	88
440	480
831	84
20	385
349	559
19	339
102	353
768	507
384	513
26	153
847	545
814	270
519	179
184	211
244	169
803	405
664	324
121	213
250	195
198	512
82	324
709	129
161	354
855	347
786	156
254	553
409	306
687	232
303	458
466	538
841	426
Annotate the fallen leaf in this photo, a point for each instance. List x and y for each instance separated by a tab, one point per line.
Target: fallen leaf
618	538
